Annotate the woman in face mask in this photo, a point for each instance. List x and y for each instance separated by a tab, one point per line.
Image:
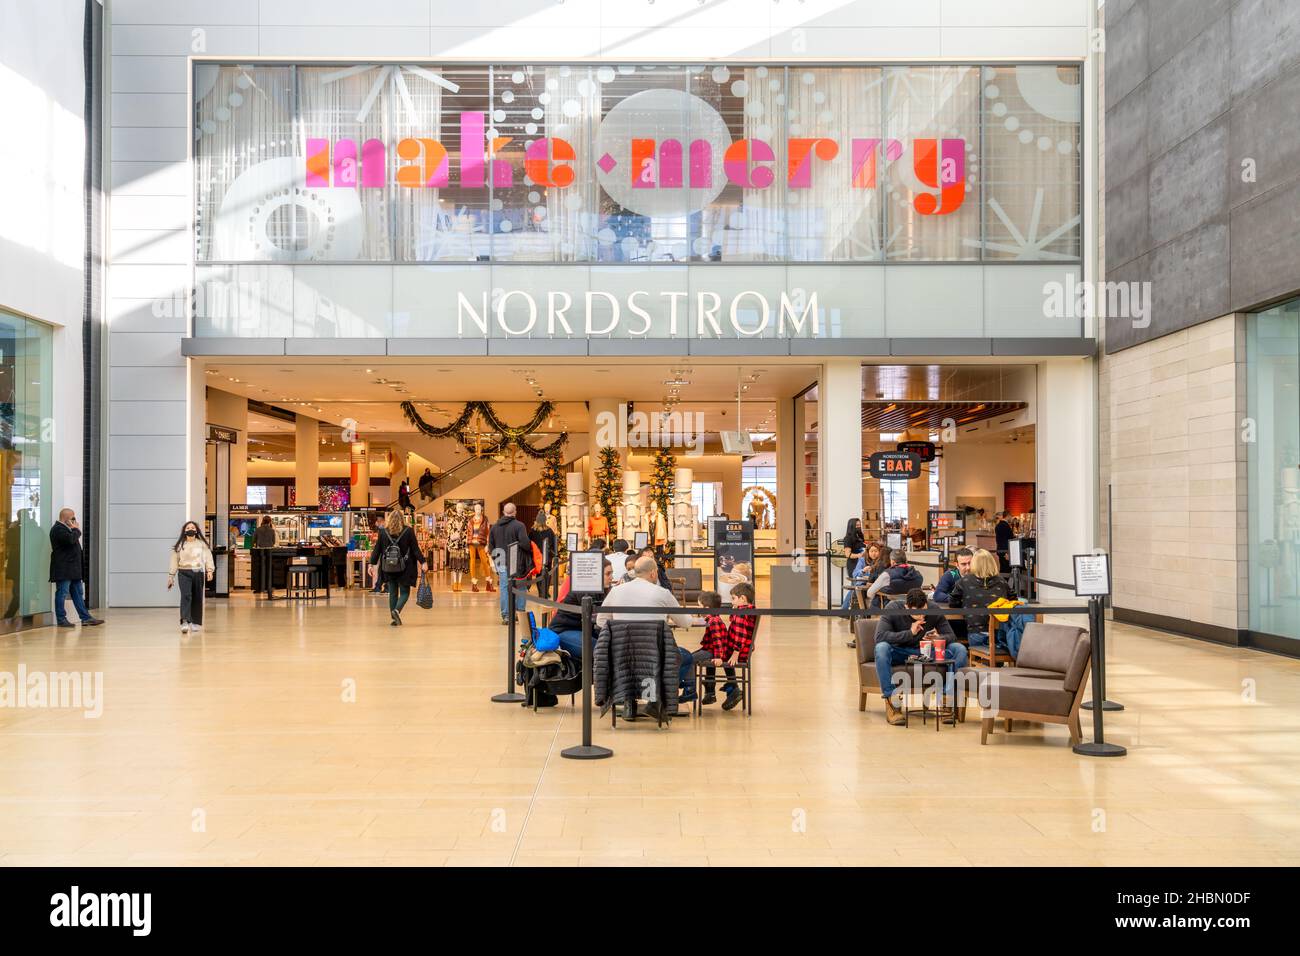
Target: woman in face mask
192	564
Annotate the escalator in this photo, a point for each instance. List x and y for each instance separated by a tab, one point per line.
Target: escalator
449	480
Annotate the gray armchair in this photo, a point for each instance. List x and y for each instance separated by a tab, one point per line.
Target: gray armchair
1046	685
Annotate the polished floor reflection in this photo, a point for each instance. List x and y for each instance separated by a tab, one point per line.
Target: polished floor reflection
292	734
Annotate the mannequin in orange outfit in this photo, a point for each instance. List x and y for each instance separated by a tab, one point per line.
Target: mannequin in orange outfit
479	560
597	527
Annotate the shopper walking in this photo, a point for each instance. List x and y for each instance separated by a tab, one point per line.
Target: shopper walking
399	562
192	568
510	532
544	538
65	570
378	523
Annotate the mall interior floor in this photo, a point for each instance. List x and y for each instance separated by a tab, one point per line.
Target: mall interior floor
241	746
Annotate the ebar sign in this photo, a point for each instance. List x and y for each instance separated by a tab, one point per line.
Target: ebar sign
894	465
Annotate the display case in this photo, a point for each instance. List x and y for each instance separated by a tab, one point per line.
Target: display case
945	524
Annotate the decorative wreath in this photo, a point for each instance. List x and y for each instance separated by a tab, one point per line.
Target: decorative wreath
512	436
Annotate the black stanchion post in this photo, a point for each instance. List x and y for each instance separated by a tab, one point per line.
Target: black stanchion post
586	750
511	696
826	553
1106	705
1097	747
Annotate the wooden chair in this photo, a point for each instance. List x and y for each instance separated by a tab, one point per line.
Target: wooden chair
743	680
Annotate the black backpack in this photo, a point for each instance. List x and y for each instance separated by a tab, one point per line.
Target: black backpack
392	560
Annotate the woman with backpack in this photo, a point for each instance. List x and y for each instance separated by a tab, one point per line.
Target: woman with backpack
543	539
399	562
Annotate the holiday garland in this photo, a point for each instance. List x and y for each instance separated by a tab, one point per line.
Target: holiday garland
661	483
512	436
609	489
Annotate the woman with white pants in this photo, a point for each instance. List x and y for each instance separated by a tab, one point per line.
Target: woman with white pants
191	567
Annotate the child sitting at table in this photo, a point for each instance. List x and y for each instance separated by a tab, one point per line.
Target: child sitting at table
713	647
721	646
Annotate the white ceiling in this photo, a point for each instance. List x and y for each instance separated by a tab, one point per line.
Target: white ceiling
370	391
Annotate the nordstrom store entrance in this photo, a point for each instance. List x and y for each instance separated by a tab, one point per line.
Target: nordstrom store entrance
616	448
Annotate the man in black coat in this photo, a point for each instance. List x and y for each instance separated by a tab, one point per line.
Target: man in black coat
898	637
65	570
510	530
1003	533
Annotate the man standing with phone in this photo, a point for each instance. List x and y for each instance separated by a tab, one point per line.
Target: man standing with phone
65	570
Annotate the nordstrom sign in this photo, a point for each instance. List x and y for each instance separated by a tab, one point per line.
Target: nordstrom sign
701	314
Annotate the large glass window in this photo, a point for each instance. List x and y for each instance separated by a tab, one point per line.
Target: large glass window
636	164
26	450
1273	409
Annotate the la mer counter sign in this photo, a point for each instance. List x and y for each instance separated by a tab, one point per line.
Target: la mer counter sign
894	465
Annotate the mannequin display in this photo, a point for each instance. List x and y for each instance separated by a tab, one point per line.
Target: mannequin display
660	531
597	527
480	562
758	512
437	552
456	531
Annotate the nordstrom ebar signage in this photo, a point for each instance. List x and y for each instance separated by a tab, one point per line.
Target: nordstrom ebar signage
894	465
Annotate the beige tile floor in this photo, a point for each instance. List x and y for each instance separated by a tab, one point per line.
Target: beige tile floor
239	747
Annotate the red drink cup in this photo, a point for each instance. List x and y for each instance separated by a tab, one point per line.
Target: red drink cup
940	645
925	648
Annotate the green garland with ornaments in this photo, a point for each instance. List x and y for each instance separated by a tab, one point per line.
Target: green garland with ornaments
551	484
609	484
661	483
508	436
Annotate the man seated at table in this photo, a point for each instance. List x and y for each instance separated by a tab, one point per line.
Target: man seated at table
898	637
643	591
899	578
943	590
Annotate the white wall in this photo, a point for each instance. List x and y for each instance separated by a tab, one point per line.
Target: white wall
979	470
42	218
150	42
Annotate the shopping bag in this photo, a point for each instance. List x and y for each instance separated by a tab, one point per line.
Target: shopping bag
424	594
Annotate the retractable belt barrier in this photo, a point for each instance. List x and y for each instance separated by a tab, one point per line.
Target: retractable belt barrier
586	750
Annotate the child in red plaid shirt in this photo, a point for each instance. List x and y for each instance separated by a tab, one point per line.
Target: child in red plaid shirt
719	645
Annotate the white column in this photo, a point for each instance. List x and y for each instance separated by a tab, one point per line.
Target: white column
359	455
604	428
1067	466
306	460
630	519
231	411
839	445
196	442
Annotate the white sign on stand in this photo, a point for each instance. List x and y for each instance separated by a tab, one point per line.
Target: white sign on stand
1013	547
894	540
587	570
1091	575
